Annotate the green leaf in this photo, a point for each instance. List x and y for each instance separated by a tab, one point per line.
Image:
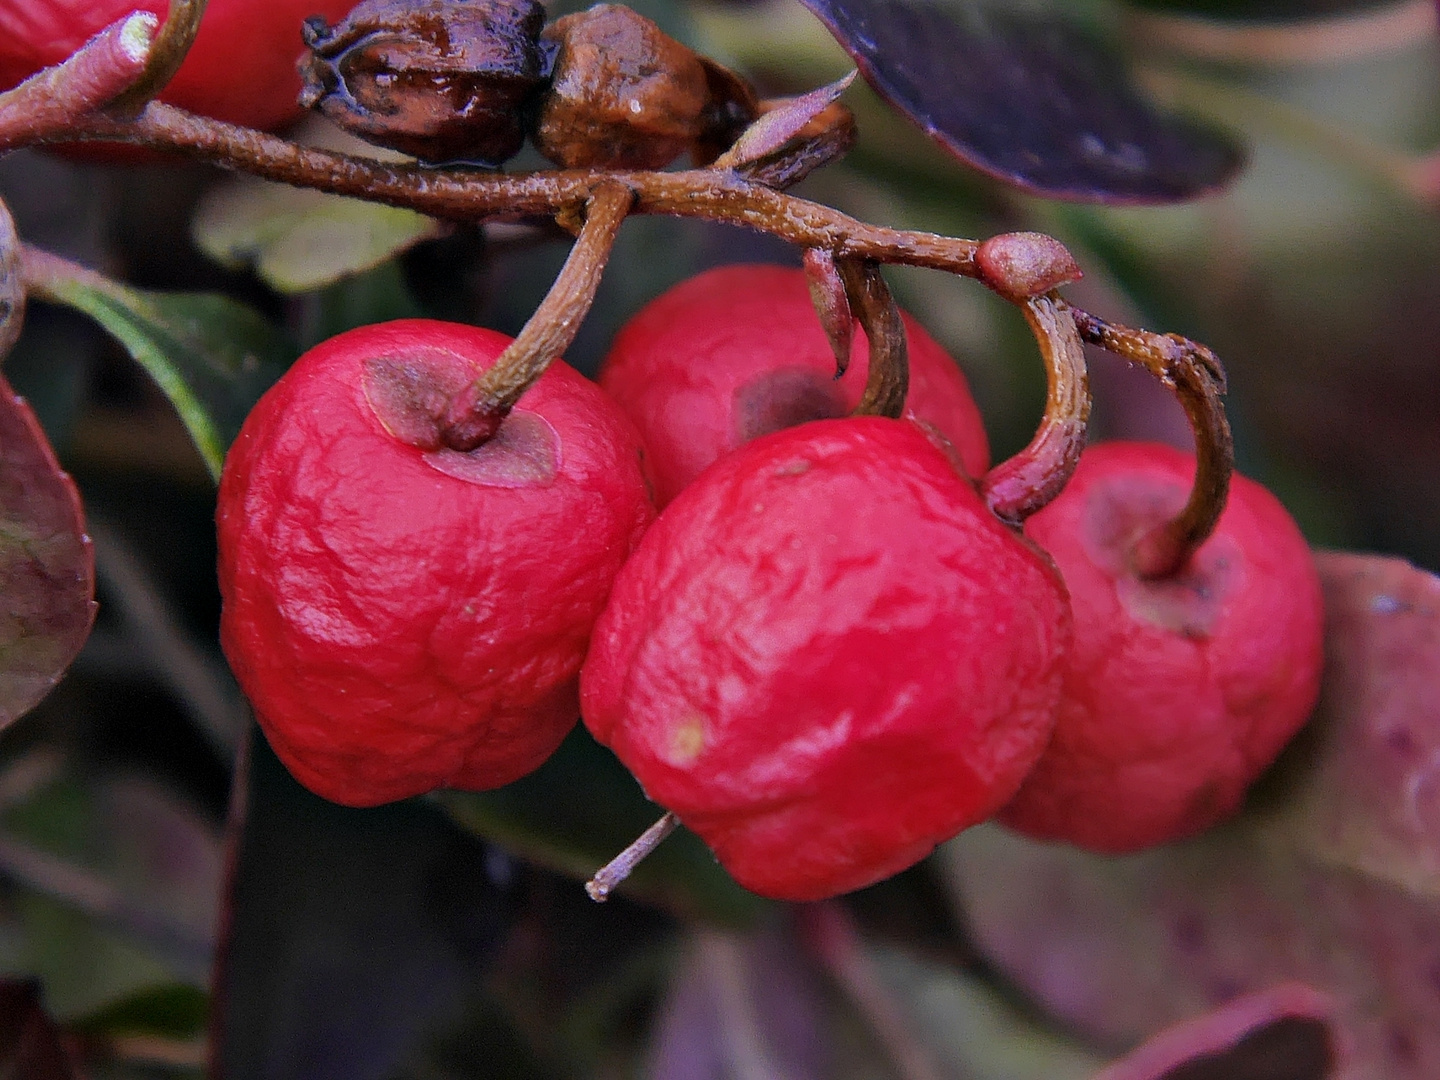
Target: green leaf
174	1011
213	357
298	240
581	809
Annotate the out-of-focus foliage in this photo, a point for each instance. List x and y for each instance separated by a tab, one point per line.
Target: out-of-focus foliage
1328	879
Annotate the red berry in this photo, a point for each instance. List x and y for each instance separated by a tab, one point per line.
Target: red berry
738	352
1179	692
405	618
240	69
827	656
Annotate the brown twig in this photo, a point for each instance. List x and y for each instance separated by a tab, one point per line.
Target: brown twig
1196	376
477	411
469	195
1016	488
1021	485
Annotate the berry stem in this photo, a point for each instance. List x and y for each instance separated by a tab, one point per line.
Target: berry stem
1021	485
52	101
167	53
475	414
875	307
1197	377
619	868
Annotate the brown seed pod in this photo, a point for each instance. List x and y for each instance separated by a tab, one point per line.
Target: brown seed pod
442	80
626	95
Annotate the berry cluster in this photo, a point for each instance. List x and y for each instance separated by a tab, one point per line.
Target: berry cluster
831	651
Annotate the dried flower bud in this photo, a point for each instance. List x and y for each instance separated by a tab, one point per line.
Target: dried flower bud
625	95
442	80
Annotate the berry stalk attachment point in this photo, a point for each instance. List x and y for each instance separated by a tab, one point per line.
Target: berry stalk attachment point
477	411
1021	485
167	53
619	868
1197	377
875	307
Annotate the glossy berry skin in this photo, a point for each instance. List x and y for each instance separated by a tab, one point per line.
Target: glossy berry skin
827	656
1178	692
240	69
738	352
405	618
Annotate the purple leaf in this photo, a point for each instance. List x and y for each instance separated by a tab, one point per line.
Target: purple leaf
741	1006
1279	1034
1330	878
1368	796
1028	99
47	570
30	1047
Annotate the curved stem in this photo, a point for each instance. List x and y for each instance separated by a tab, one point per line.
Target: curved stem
477	411
1196	376
1021	485
619	868
166	54
888	380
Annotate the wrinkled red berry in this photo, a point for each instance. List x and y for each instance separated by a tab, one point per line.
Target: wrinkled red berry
1179	692
241	68
404	617
738	352
827	656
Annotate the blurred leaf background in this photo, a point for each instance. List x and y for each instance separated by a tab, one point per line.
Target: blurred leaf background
447	937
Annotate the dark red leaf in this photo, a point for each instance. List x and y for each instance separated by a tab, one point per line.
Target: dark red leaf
741	1005
47	570
30	1047
1030	100
1283	1033
1262	10
1331	877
